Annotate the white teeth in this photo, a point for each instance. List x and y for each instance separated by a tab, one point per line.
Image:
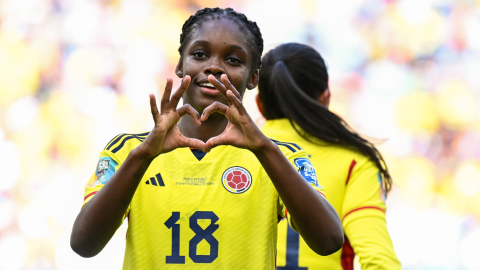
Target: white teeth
207	85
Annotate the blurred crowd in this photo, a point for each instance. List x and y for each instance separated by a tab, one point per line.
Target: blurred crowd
75	73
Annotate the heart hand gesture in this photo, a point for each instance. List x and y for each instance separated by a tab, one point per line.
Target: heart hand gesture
241	131
165	135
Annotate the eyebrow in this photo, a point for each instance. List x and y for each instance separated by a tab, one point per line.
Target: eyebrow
204	42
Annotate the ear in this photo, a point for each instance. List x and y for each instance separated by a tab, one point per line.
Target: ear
324	98
259	103
179	68
253	82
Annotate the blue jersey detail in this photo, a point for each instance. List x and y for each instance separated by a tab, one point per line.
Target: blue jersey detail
306	169
287	144
379	175
119	137
199	154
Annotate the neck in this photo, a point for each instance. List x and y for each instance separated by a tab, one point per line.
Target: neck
213	126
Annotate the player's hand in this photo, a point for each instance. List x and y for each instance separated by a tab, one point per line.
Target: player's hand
165	135
241	131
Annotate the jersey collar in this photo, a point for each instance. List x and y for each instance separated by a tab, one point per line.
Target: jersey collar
186	154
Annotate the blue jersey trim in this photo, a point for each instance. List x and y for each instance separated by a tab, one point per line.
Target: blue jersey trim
119	137
198	154
125	140
289	143
288	146
111	141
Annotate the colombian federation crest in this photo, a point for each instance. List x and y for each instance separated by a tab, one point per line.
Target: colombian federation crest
237	180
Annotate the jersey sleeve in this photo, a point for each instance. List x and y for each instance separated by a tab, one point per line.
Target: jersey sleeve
371	242
106	167
300	161
364	219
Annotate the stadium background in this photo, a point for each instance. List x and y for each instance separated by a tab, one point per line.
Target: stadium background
75	73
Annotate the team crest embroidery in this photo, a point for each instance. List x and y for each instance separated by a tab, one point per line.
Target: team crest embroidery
306	169
237	180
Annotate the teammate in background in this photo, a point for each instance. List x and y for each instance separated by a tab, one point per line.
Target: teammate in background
294	98
194	210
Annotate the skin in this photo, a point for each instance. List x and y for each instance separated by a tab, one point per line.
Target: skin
224	121
230	55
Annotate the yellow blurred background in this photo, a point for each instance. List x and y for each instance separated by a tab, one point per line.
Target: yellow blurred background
75	73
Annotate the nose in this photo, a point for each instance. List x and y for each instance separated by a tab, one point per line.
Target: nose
214	67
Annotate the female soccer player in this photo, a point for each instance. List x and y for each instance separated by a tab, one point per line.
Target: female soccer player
294	98
193	210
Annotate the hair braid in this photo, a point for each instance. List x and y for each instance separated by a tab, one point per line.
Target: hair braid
194	21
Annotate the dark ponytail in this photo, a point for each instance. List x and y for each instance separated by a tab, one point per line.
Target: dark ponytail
291	78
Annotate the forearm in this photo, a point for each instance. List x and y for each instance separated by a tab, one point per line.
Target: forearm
314	218
102	215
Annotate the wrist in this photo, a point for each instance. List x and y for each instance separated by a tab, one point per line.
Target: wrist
267	147
141	155
142	161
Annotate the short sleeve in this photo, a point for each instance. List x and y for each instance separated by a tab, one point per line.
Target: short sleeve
301	162
364	195
106	167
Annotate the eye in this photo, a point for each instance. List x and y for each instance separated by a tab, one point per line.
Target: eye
199	54
234	60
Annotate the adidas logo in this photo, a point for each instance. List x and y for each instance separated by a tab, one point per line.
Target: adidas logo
154	181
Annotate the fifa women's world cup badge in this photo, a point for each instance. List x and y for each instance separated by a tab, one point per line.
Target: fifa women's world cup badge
306	169
237	180
105	169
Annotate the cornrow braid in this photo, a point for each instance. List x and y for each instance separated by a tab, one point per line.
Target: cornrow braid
254	34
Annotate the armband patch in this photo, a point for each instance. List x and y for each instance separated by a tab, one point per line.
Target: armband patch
105	169
306	169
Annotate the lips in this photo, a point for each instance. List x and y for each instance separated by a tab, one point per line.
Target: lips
207	88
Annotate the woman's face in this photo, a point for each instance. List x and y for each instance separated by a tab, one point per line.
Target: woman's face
217	47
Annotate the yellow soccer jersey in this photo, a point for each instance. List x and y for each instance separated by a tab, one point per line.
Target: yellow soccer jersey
355	191
218	213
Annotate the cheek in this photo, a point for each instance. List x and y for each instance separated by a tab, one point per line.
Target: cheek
240	80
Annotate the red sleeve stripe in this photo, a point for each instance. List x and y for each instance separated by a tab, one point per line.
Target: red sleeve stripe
286	213
348	255
91	194
350	170
322	194
361	208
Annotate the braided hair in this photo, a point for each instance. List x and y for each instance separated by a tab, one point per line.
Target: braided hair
254	36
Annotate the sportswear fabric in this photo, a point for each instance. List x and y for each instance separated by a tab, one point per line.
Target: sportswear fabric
355	191
220	212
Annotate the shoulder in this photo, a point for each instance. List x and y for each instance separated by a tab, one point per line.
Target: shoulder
336	154
123	143
294	153
288	147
